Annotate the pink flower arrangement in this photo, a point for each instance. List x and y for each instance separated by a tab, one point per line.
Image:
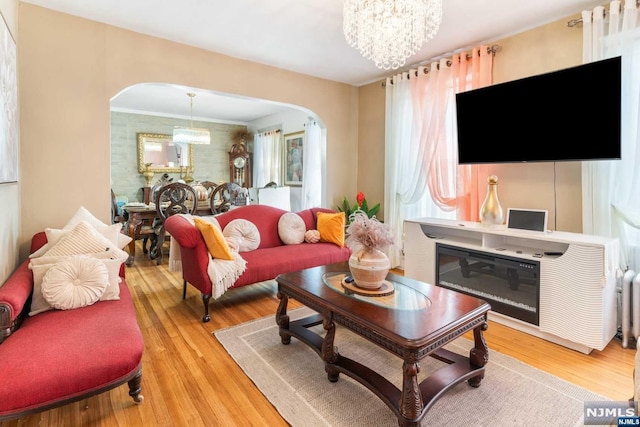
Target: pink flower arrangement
367	233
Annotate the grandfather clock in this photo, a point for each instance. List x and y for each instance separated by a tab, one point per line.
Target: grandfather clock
240	165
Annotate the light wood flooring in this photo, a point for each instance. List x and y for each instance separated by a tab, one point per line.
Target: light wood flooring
188	379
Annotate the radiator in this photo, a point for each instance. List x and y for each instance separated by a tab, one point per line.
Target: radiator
630	308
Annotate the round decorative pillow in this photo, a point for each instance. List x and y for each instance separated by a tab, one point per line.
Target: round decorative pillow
244	233
75	282
291	228
312	236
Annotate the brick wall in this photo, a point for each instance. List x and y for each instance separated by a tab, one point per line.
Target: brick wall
211	162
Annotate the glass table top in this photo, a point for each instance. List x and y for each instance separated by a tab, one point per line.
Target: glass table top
400	297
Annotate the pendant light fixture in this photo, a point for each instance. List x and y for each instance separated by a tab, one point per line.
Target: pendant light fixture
191	135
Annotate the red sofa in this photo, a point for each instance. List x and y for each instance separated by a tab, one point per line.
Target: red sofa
62	356
271	258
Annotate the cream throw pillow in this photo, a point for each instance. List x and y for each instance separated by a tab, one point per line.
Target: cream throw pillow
244	233
312	236
84	239
113	289
113	232
76	282
38	303
291	228
82	214
40	267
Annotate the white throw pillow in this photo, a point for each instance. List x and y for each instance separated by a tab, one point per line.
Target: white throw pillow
291	228
38	303
113	232
43	260
76	282
244	233
113	289
84	239
82	214
40	267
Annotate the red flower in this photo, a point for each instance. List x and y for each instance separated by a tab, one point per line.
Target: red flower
360	198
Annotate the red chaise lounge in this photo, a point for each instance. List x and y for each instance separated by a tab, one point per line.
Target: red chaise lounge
62	356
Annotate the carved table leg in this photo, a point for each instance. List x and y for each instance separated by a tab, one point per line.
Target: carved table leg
282	318
479	354
131	226
411	398
329	352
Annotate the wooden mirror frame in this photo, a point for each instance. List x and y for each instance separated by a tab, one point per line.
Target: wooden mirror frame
164	139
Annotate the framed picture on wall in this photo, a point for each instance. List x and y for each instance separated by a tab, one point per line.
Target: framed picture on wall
9	100
293	146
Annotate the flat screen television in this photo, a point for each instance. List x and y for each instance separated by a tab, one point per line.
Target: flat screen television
567	115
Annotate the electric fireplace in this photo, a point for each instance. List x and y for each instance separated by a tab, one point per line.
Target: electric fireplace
510	285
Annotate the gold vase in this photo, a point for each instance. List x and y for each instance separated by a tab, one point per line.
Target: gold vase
491	211
369	268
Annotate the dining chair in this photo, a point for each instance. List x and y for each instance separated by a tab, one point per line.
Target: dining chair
170	199
226	195
209	185
204	205
116	216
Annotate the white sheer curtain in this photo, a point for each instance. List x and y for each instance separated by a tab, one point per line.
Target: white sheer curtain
267	158
610	204
311	166
418	104
422	176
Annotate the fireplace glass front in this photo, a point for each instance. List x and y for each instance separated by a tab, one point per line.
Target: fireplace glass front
510	285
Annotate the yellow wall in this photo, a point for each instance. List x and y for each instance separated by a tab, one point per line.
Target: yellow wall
371	146
70	68
555	187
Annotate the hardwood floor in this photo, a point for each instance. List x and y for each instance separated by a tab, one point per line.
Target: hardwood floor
189	380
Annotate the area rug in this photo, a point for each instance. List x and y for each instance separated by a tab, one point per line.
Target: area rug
293	379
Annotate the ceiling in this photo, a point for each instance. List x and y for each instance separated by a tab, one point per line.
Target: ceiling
306	37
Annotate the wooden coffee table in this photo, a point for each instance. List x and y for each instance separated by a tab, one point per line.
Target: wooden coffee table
415	321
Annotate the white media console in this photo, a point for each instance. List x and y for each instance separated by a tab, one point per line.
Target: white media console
577	291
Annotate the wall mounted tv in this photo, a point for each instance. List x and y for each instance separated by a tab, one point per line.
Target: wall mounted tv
567	115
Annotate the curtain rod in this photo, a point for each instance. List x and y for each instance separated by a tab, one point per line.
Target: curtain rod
577	21
274	128
493	49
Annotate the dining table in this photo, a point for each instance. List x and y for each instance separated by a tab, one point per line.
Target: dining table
138	215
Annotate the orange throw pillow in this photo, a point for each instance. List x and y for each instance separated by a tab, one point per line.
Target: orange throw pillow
214	239
331	227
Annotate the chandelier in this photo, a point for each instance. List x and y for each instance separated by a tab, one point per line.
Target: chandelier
191	135
390	31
